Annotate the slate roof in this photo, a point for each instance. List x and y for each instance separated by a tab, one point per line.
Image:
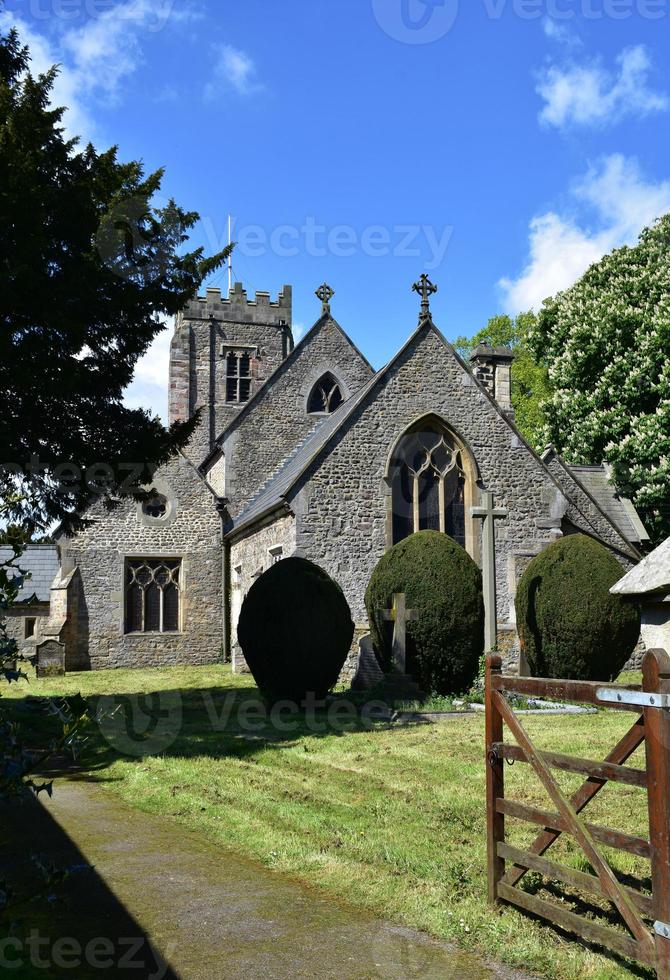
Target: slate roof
272	495
620	510
652	575
249	406
41	560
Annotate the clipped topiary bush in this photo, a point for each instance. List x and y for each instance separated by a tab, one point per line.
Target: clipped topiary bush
569	624
295	630
444	585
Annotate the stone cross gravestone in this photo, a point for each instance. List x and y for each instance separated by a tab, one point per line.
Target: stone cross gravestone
50	659
400	616
489	513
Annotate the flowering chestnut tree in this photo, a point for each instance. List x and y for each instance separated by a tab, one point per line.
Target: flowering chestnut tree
606	342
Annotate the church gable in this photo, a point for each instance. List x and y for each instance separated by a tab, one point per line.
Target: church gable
322	372
346	501
151	575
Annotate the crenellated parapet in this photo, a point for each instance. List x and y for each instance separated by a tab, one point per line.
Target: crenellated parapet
238	308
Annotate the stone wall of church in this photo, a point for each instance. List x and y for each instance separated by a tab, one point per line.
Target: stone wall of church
250	556
190	531
264	437
204	331
342	502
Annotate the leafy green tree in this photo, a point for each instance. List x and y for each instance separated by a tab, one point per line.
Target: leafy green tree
89	270
606	341
530	382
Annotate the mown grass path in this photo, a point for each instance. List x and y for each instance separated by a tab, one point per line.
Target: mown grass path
391	821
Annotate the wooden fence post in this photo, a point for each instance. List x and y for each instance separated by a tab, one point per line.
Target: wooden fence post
495	779
656	674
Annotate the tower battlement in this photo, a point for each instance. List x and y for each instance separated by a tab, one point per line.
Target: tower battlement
238	308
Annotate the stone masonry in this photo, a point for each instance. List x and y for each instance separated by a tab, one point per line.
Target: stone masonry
204	332
190	531
260	438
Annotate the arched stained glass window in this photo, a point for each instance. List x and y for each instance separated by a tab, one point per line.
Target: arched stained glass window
428	484
152	595
326	396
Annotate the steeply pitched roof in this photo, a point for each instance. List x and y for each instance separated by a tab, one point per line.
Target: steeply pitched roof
41	560
620	510
273	494
286	363
651	576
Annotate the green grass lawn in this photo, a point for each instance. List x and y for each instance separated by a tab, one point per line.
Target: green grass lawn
392	820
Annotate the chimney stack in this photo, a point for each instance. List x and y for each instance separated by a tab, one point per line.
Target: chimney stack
492	366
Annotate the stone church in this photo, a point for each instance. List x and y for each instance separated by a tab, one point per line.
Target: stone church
306	449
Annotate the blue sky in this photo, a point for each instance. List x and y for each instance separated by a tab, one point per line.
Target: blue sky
499	145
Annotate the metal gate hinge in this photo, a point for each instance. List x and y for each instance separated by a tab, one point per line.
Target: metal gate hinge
615	695
662	929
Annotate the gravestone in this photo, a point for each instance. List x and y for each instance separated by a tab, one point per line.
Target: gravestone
51	659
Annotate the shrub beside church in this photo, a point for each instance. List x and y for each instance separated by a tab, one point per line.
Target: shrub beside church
569	624
295	630
443	586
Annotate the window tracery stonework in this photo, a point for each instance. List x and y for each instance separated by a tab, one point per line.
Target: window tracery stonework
153	595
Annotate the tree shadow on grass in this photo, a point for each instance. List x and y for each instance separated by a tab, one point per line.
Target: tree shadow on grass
218	723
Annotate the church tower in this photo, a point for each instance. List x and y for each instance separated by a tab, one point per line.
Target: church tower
222	352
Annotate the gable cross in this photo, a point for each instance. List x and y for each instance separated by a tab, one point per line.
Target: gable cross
400	616
425	288
490	514
325	293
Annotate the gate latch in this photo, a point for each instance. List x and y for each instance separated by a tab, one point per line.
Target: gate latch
662	929
615	695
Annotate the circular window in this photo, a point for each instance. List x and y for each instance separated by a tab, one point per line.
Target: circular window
155	505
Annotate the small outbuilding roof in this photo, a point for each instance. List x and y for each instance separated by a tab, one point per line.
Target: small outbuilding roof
651	576
41	560
597	481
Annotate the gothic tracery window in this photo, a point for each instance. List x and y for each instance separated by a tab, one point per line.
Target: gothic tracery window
153	592
155	505
326	396
428	485
238	376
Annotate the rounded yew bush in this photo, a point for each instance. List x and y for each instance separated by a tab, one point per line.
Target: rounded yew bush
569	624
295	630
443	585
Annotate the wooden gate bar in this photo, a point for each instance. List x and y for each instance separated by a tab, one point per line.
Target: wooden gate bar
579	830
495	780
570	876
622	751
656	674
577	924
582	691
568	763
555	823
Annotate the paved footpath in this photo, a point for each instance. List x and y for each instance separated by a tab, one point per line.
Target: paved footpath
209	915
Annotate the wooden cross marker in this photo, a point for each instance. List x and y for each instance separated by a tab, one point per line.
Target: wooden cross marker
489	514
400	616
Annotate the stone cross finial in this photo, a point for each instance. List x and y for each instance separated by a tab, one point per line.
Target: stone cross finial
325	293
425	288
489	513
400	616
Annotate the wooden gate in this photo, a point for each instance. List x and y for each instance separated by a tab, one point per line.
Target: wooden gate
647	918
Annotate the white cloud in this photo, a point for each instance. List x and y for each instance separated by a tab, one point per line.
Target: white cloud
233	69
149	387
562	247
590	95
95	57
560	33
